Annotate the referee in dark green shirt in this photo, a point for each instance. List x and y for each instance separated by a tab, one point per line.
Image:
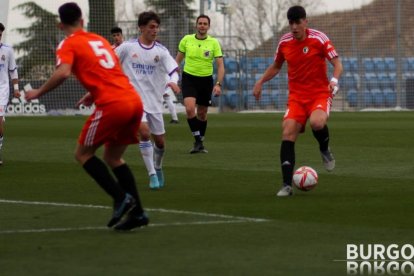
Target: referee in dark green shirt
199	51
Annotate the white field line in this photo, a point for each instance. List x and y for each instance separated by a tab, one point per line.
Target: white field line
231	219
86	228
58	204
209	215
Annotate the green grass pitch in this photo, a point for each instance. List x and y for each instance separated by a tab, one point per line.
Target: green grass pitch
218	214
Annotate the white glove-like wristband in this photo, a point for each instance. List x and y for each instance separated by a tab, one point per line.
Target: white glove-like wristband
335	90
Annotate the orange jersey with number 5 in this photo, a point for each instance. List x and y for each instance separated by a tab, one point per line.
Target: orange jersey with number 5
118	111
96	66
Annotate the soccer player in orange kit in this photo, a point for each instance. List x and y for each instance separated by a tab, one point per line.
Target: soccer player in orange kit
116	118
310	92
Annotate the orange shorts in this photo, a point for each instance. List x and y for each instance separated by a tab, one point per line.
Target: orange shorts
301	109
115	123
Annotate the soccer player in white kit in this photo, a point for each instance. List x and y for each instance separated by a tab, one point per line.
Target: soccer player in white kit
147	63
7	68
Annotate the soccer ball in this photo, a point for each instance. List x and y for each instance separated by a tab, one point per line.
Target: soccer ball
305	178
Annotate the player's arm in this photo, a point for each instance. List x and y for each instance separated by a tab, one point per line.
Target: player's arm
172	82
15	83
269	74
14	76
337	71
220	76
86	100
170	66
61	73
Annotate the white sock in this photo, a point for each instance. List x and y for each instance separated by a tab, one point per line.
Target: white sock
158	157
147	152
171	107
1	142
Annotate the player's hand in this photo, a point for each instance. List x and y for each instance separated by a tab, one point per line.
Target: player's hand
16	94
86	100
31	94
257	90
216	90
174	87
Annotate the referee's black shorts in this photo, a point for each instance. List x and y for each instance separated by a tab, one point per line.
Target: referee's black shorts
200	88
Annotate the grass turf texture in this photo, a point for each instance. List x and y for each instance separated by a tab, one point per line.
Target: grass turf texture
367	199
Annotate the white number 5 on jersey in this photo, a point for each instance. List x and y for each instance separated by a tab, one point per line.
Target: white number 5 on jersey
105	58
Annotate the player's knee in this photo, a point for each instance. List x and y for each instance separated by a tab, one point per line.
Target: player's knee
190	111
144	137
202	116
318	124
318	120
109	161
289	134
159	144
81	158
289	137
144	134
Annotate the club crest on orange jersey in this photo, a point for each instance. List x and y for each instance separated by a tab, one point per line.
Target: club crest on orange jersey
305	50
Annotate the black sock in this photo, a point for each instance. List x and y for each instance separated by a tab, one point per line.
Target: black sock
322	136
203	128
98	171
287	159
195	128
127	181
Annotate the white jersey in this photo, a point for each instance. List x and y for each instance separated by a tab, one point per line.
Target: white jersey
147	69
7	66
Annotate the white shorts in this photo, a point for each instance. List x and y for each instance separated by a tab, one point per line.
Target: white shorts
3	109
4	95
155	122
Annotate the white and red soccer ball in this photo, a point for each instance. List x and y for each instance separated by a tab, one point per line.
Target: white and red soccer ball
305	178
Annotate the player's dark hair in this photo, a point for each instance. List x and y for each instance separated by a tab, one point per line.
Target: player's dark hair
2	28
203	16
296	13
116	30
70	13
145	17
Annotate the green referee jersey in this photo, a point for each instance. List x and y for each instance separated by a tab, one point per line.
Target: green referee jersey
199	54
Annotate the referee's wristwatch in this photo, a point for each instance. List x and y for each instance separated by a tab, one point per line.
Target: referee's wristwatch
218	83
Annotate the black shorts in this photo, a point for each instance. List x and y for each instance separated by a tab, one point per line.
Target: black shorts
200	88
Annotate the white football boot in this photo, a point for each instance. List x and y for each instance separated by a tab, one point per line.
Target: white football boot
328	160
285	191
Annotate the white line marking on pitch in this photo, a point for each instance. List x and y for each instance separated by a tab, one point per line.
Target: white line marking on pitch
232	219
86	228
149	209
